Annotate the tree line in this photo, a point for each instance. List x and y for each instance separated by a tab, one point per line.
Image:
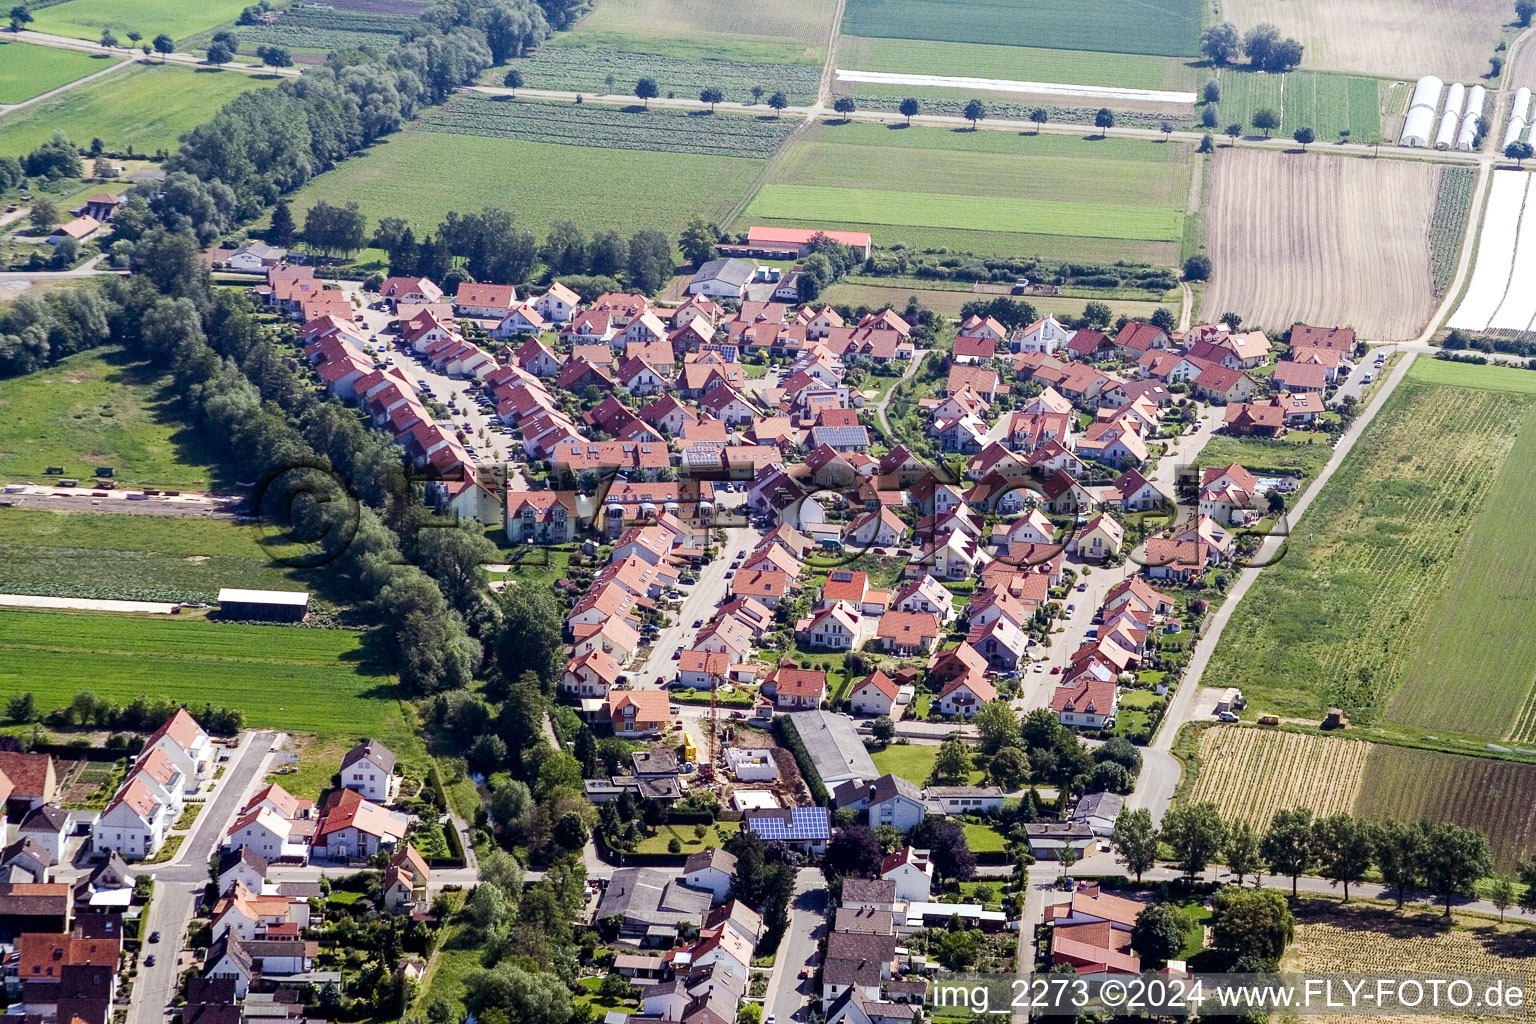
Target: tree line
1443	857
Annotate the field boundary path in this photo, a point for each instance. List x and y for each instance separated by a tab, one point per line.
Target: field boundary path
829	69
133	56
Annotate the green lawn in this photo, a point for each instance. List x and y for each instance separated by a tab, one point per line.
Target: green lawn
1019	63
714	836
322	682
143	558
984	192
984	839
599	189
1327	103
1167	27
85	19
589	997
27	71
143	109
912	761
100	408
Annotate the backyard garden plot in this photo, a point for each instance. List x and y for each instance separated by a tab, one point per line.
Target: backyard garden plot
1031	63
86	19
984	192
1407	784
27	71
773	31
1340	618
1283	237
1500	296
602	127
599	189
139	110
1250	773
1452	39
151	558
616	71
1166	27
99	408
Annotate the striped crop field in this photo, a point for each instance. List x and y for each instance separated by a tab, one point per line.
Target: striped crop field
1250	773
1403	572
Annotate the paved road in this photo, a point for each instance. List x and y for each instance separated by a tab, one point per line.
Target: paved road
787	993
699	604
179	883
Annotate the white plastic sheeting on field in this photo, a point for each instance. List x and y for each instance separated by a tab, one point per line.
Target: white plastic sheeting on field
1419	125
1105	92
1475	97
1519	114
1455	96
1495	251
1519	306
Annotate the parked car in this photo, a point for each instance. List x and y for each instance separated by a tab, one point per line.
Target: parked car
1228	716
154	936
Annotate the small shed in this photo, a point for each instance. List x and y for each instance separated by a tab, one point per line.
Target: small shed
264	605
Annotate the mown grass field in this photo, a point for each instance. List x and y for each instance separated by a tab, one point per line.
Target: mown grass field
1347	615
118	556
1167	27
772	31
622	190
984	192
1329	104
912	761
143	109
100	408
1249	773
1019	63
27	71
85	19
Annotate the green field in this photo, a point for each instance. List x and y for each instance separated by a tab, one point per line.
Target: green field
85	19
589	69
1019	63
27	71
118	556
912	761
769	31
1303	459
143	109
540	183
100	408
1329	104
984	192
1167	27
1403	594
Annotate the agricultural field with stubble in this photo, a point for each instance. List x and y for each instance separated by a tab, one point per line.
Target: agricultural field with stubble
1404	784
1250	773
1355	612
1395	38
927	187
1281	233
1374	939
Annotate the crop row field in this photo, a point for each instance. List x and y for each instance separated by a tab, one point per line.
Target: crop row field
324	28
1019	63
126	557
602	127
1335	107
766	31
971	191
616	72
1447	228
1282	234
1249	773
540	183
140	110
27	71
1395	38
87	19
1165	27
1384	603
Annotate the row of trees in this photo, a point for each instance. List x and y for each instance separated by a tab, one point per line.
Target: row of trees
1262	45
86	710
1446	858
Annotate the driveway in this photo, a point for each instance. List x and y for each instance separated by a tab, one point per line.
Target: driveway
179	884
787	992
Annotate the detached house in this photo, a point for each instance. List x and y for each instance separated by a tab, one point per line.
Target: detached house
796	689
1088	703
875	694
351	826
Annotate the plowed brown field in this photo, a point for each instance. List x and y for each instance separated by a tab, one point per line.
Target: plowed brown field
1331	241
1402	38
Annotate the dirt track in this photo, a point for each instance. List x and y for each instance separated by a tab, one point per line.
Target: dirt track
1321	240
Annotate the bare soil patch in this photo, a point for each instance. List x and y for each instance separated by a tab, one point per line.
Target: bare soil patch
1321	240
